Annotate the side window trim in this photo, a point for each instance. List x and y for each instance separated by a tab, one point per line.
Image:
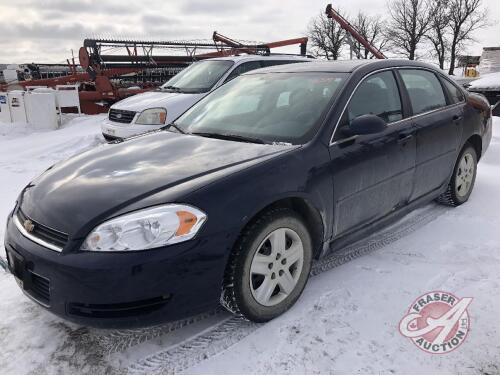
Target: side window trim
403	95
391	69
229	74
410	115
222	79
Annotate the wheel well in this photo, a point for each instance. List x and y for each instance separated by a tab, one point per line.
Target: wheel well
477	143
310	215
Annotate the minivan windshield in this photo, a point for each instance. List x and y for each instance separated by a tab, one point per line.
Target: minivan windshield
264	108
198	77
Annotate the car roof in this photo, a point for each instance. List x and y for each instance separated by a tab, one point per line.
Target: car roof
264	57
341	66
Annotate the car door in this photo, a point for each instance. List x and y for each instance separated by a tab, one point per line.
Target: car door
372	174
438	129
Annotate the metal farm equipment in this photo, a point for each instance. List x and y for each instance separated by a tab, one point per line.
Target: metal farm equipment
352	32
113	69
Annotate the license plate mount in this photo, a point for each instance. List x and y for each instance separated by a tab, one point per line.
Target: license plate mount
16	266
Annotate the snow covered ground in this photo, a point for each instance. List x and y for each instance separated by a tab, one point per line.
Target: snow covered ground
346	322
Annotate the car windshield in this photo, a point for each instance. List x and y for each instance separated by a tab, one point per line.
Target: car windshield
199	77
266	108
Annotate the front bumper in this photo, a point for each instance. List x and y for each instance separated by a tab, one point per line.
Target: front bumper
121	289
116	130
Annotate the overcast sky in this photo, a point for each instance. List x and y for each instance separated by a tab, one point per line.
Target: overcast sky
46	31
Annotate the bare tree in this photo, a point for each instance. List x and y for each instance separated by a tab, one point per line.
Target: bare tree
409	21
326	37
372	28
438	34
466	16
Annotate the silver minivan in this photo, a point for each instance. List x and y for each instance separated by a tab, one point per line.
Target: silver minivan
152	110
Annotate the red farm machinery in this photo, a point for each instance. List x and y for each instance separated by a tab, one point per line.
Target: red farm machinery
113	69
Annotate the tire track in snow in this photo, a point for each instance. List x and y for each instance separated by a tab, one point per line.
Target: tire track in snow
88	350
222	336
380	239
188	353
122	339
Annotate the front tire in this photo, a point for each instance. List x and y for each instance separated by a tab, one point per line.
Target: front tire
269	266
463	178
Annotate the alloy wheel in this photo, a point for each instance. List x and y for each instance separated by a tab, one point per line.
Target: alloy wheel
465	175
276	267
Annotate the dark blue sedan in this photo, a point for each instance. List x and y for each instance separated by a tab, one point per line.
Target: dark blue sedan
233	202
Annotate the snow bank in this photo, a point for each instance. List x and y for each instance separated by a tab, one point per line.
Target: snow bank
16	129
487	82
25	153
12	130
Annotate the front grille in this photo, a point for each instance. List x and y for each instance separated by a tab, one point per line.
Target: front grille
119	115
118	310
43	232
39	288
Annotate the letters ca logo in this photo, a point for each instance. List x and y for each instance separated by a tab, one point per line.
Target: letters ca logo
437	322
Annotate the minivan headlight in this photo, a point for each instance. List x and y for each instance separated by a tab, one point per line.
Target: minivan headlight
146	229
153	116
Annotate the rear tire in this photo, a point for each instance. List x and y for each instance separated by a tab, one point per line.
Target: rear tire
463	178
269	266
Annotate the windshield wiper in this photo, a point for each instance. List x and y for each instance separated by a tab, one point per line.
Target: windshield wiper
176	127
172	88
230	137
197	91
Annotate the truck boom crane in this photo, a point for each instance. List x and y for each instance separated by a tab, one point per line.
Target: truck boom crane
347	26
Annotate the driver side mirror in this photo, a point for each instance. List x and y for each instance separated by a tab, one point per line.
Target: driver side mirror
367	124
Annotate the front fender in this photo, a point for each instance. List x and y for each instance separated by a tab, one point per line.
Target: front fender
302	174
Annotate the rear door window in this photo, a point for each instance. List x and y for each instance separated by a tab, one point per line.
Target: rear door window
425	90
456	95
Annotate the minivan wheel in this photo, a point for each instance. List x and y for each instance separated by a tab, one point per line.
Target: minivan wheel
269	267
462	180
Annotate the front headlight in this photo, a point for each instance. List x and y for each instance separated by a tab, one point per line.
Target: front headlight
153	116
146	229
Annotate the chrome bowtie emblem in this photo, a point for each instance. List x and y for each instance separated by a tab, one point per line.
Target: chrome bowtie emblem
29	226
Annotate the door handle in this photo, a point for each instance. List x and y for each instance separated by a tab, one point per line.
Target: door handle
403	138
457	118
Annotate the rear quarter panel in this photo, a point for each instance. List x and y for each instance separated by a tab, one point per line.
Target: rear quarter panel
477	120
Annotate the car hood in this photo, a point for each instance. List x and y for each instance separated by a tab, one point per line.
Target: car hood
93	185
175	103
